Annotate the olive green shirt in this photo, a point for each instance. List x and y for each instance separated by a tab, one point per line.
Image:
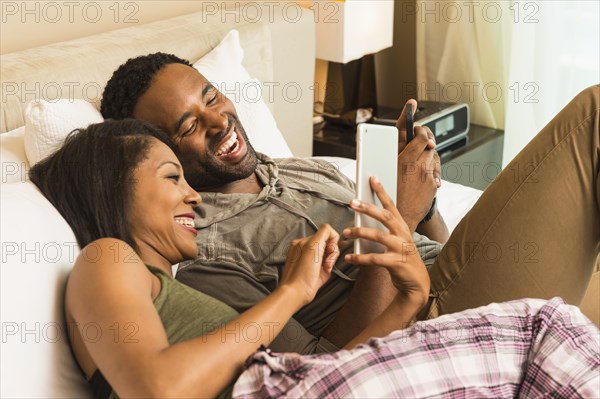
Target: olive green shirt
185	314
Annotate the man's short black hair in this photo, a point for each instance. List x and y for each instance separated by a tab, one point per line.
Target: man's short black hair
130	81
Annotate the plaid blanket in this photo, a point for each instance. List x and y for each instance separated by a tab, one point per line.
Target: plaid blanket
528	348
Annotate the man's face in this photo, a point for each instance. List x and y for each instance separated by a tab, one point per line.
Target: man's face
203	124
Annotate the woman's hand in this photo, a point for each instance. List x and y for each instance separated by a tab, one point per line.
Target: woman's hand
401	257
310	261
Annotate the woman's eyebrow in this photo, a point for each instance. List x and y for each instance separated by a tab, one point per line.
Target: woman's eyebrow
169	162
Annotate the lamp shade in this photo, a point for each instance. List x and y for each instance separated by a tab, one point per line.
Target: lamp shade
350	29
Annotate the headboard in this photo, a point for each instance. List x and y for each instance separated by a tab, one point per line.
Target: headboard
278	51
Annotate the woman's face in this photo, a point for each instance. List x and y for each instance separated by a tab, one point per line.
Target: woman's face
161	215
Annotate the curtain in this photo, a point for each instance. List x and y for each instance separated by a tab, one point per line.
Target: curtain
516	63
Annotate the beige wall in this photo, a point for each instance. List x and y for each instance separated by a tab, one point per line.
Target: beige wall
396	67
27	24
36	23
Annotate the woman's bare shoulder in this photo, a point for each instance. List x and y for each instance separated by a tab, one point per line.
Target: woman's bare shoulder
106	265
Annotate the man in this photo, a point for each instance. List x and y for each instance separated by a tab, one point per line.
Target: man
255	206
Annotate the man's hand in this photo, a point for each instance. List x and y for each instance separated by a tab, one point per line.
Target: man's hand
418	172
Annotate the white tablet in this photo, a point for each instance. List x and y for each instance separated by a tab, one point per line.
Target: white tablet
376	155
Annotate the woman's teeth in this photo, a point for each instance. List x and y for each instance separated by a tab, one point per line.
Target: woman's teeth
188	222
229	146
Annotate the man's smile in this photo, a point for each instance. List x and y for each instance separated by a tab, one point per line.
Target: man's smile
229	144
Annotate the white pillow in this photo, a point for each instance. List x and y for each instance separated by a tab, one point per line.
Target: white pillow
12	156
222	66
258	121
47	124
38	251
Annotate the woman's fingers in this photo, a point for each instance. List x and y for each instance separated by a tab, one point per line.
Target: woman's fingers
310	261
407	270
388	215
322	233
332	252
390	241
386	201
385	216
325	242
389	260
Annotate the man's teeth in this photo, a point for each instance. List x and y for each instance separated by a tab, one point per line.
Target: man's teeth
227	147
188	222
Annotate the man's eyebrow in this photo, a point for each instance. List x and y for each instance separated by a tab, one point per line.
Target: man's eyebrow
207	88
169	162
181	120
186	115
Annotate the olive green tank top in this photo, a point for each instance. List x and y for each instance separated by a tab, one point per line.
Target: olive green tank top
185	314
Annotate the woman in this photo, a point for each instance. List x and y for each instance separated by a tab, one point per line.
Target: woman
121	188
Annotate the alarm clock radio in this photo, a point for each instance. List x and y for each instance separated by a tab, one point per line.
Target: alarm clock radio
448	122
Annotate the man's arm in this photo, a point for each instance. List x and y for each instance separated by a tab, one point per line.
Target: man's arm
372	293
435	229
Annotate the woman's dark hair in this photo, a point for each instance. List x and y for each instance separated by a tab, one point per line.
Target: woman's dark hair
89	180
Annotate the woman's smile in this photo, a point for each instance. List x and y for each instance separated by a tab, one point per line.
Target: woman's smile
187	222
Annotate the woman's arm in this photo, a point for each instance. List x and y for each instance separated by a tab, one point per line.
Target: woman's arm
111	291
401	259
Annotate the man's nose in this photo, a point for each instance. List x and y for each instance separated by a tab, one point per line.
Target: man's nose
216	122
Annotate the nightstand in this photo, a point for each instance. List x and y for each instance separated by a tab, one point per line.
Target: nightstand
474	164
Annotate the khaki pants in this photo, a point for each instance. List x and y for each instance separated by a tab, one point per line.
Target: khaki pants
535	231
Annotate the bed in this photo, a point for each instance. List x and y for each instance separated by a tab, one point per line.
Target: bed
38	248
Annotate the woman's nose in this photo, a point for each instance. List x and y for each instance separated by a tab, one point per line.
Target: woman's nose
193	197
